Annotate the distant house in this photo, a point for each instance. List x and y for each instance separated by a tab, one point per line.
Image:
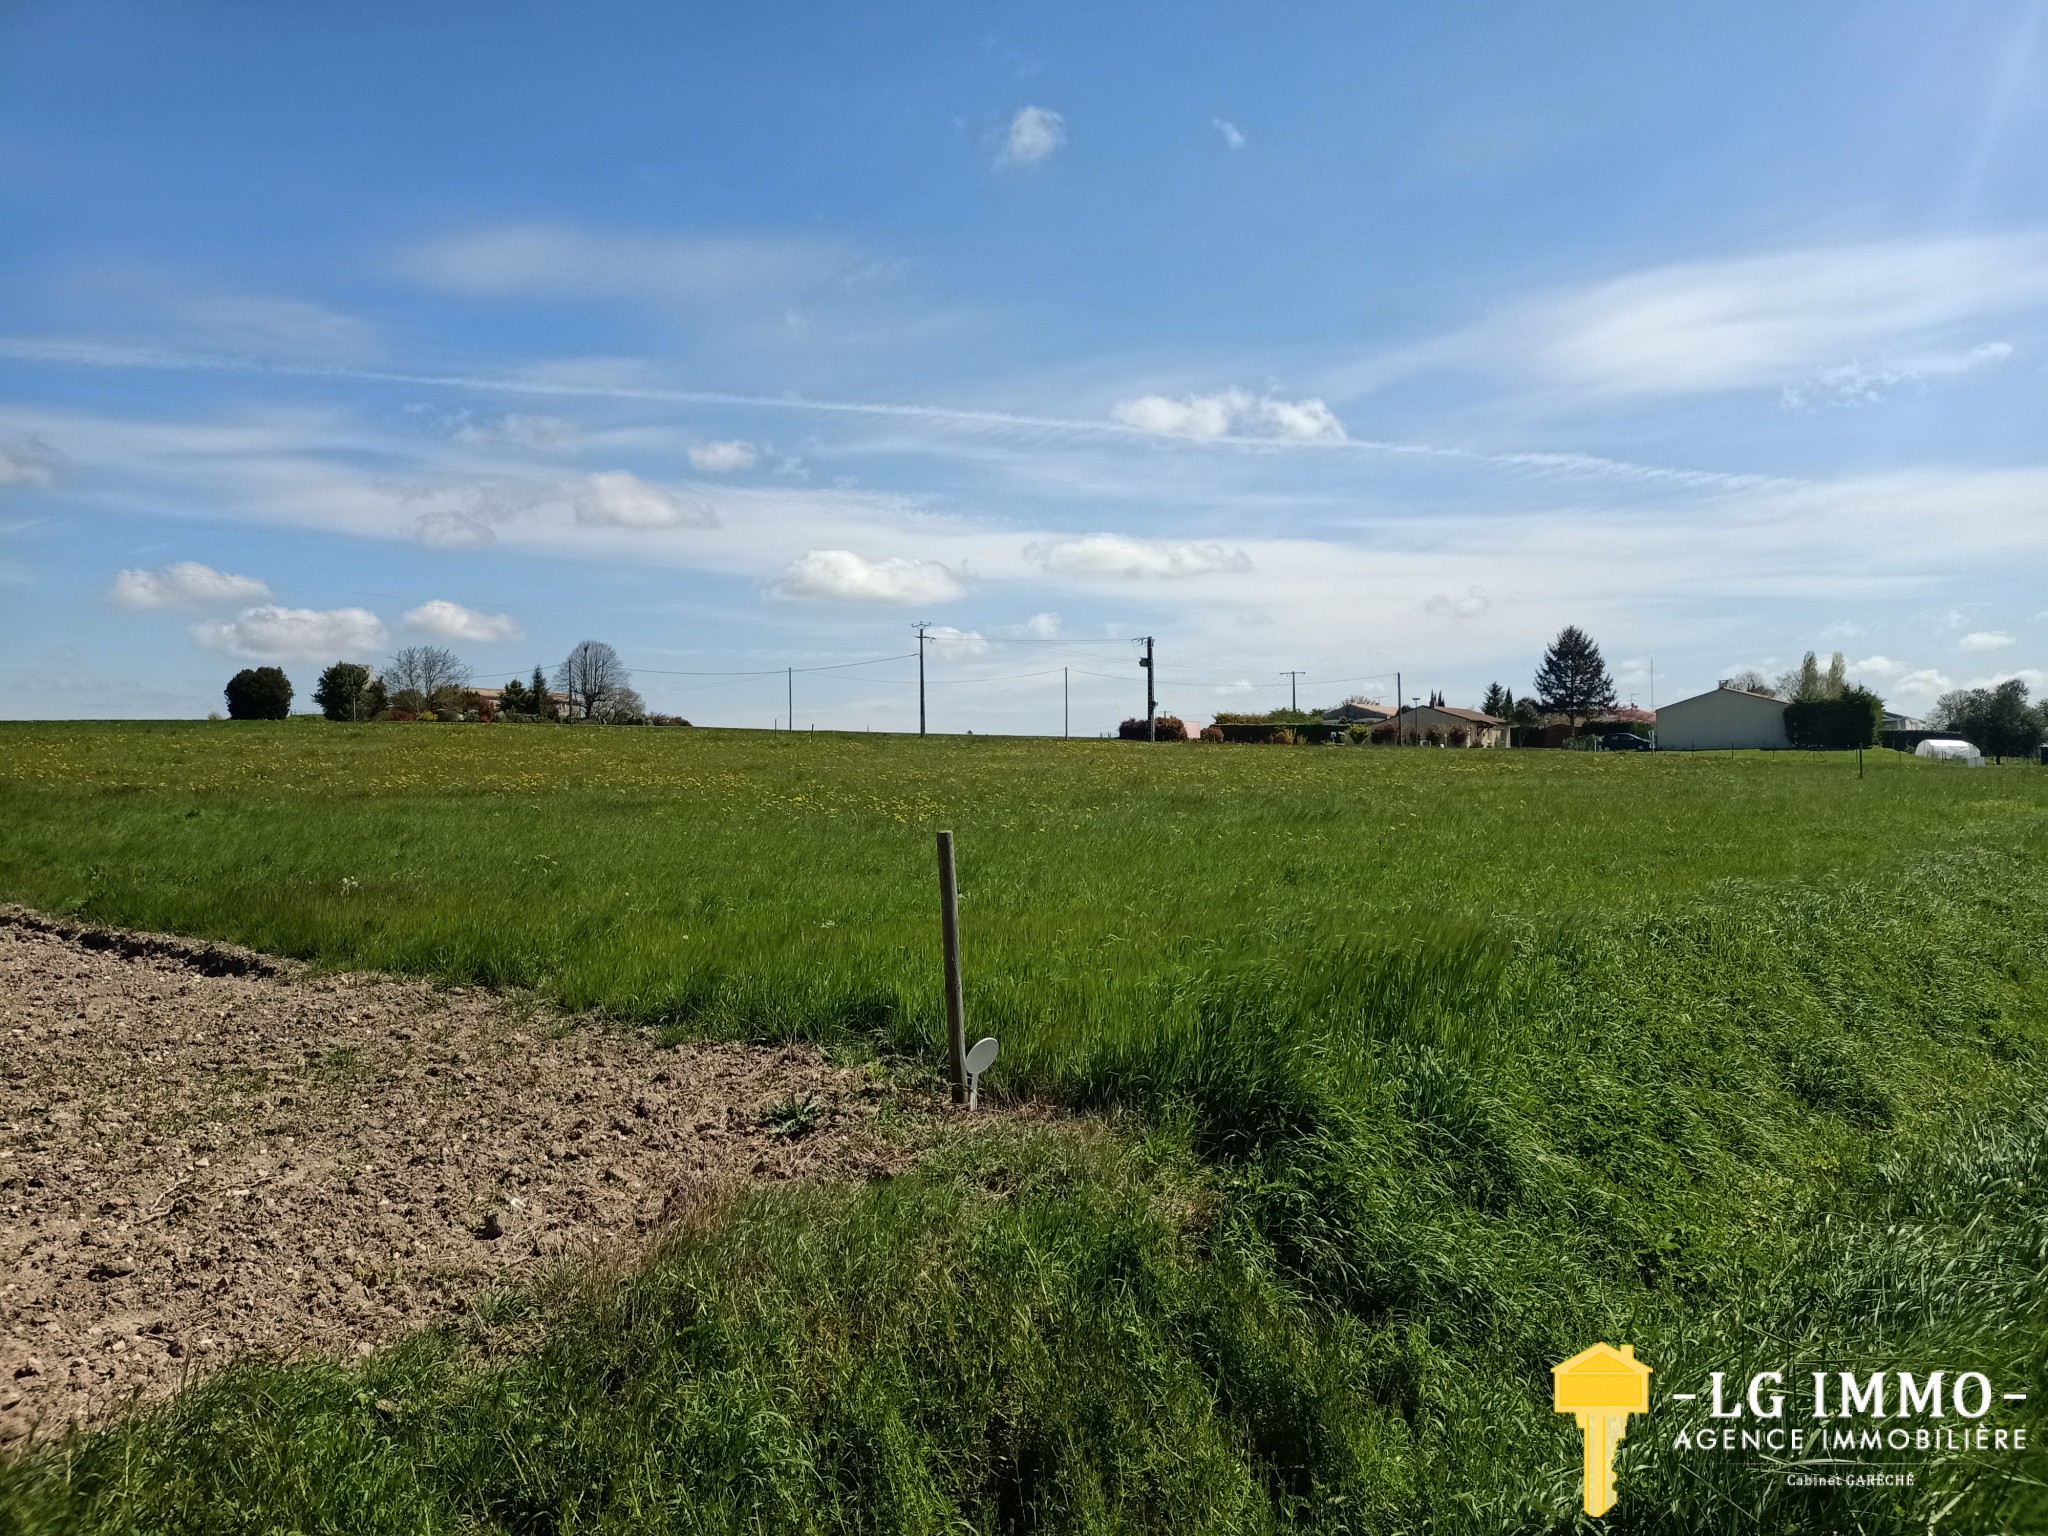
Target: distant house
1728	717
1893	721
1461	727
491	697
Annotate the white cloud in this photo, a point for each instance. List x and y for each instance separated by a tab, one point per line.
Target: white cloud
1117	555
1036	133
1762	321
272	633
842	574
950	644
1841	629
452	621
1868	383
187	584
1926	683
1876	666
617	499
1232	134
716	458
1233	412
1984	640
1041	626
522	430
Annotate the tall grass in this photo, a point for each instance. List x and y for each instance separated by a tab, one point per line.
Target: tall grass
1739	1060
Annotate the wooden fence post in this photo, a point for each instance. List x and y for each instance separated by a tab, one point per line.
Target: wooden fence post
956	1010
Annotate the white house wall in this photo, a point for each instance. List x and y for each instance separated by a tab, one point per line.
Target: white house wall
1723	719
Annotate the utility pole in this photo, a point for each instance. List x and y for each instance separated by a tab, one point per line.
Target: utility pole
1066	707
1400	730
1151	700
790	679
921	628
1294	692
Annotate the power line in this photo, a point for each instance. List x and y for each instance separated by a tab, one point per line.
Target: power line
837	666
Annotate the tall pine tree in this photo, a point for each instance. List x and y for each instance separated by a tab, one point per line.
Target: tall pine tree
1573	680
1498	702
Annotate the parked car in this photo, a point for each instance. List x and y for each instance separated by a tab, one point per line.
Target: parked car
1625	741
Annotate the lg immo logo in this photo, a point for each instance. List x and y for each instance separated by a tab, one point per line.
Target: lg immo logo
1815	1427
1601	1387
1835	1413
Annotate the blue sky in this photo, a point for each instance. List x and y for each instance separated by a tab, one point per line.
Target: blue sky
1354	340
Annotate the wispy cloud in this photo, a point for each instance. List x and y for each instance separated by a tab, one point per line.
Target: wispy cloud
1984	640
722	457
618	499
273	633
1234	412
70	352
1118	556
187	584
1774	321
561	260
842	575
25	467
521	430
1468	604
1232	134
452	621
271	325
1868	383
1036	134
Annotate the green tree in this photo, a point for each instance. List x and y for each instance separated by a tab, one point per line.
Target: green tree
1807	683
543	701
340	691
259	693
1998	721
1850	718
1498	702
1573	680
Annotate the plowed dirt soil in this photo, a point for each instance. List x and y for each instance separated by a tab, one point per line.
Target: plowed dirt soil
206	1153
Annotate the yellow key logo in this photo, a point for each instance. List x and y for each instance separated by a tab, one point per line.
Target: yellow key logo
1601	1387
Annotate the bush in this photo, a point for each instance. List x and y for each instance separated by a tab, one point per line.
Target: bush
1212	733
259	693
1171	728
1851	719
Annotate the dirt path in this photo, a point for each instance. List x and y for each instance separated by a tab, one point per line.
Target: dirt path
204	1154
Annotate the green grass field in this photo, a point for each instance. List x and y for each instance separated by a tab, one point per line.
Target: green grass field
1422	1070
